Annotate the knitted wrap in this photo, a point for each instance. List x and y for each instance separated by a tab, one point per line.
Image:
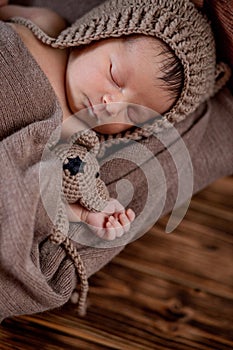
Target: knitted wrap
185	30
177	23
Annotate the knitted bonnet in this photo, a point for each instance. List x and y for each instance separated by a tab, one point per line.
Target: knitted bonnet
179	24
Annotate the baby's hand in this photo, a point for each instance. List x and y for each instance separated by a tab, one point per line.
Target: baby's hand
112	222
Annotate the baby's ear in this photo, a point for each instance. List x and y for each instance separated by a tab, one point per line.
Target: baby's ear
88	139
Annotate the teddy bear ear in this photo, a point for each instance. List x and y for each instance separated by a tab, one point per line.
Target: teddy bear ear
86	138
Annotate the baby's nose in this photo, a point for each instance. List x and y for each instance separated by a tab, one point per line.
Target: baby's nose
113	96
107	98
113	102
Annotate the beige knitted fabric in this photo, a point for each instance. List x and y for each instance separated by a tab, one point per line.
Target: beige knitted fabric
178	23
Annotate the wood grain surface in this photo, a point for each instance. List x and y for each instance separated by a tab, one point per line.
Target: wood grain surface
164	291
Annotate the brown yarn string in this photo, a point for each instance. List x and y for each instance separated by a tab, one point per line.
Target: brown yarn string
107	141
222	75
57	237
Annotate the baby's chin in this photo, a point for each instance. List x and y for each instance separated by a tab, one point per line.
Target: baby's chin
112	128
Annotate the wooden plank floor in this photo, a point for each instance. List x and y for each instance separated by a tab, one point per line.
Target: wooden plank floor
162	292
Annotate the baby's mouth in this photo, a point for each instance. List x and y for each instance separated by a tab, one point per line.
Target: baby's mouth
99	112
90	108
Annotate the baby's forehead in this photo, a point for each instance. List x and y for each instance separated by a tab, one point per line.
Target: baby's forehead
153	47
141	39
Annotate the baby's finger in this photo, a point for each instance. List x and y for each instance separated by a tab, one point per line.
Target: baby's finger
100	232
125	222
110	233
130	214
117	226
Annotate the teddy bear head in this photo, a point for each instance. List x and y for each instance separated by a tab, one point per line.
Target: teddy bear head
81	178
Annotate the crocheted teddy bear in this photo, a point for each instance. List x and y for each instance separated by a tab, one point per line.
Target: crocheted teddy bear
81	179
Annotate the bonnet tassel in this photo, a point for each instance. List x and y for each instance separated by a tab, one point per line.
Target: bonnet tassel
57	237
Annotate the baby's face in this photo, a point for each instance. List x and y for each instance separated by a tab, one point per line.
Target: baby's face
115	70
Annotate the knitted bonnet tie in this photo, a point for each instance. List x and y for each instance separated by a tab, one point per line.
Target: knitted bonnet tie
179	24
57	237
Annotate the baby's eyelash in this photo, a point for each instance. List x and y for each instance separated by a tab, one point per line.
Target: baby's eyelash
113	78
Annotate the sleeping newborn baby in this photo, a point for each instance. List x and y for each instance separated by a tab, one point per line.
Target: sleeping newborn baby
112	70
136	69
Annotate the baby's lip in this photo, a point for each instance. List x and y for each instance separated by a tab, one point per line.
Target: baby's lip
92	108
99	111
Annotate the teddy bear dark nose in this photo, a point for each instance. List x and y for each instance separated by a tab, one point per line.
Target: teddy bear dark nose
74	165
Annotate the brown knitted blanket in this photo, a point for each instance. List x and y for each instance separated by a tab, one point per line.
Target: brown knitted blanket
36	274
